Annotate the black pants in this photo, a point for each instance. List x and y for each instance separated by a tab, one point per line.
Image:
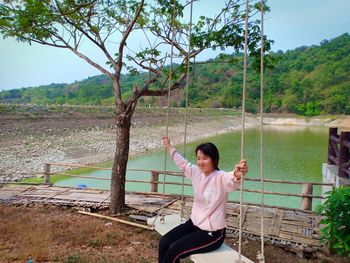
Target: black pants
187	239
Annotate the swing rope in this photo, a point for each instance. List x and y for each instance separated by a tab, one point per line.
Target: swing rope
243	126
168	110
186	108
161	214
261	256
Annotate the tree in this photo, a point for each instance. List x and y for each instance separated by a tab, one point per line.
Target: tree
103	23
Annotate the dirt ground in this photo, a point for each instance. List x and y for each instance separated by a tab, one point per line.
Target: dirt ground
60	234
17	125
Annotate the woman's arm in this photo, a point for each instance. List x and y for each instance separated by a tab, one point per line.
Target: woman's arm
167	145
241	169
232	180
178	159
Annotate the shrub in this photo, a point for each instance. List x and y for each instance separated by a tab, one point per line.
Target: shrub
94	242
73	258
335	229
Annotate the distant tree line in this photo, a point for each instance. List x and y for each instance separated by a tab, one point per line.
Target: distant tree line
309	80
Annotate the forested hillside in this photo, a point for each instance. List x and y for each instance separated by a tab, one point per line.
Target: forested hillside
307	80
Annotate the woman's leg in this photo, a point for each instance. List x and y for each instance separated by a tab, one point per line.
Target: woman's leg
196	242
172	236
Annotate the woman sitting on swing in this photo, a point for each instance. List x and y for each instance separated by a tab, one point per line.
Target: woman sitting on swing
205	230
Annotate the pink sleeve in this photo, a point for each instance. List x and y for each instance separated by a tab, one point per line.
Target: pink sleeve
230	182
182	163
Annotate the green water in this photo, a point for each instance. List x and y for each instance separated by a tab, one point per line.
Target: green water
290	153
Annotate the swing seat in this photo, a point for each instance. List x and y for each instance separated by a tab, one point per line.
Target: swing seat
224	254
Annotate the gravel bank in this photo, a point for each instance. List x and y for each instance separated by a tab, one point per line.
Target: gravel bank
27	143
25	147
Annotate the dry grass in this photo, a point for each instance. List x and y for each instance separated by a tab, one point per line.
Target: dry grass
52	234
56	234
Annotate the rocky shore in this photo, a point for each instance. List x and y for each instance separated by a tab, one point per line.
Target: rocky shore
27	143
87	138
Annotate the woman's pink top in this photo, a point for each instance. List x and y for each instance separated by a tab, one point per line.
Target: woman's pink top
210	193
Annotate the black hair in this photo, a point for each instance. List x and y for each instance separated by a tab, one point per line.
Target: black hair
209	149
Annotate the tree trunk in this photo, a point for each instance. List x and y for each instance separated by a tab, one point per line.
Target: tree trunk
120	162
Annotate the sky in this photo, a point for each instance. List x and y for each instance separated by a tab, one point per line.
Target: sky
291	24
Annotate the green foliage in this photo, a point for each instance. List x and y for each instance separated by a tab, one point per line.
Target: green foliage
316	75
335	229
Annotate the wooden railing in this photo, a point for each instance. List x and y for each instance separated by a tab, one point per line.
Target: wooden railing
339	151
306	194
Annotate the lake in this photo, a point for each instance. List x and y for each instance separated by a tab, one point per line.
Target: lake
293	153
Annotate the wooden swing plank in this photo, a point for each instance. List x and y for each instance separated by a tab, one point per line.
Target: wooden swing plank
170	221
224	254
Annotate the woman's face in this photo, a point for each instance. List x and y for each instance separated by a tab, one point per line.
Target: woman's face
205	163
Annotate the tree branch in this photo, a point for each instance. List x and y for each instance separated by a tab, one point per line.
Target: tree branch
88	60
126	34
99	43
161	92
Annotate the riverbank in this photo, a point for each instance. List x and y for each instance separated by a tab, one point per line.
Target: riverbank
29	140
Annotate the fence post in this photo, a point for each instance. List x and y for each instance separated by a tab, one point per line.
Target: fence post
47	168
306	202
331	151
344	154
154	181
